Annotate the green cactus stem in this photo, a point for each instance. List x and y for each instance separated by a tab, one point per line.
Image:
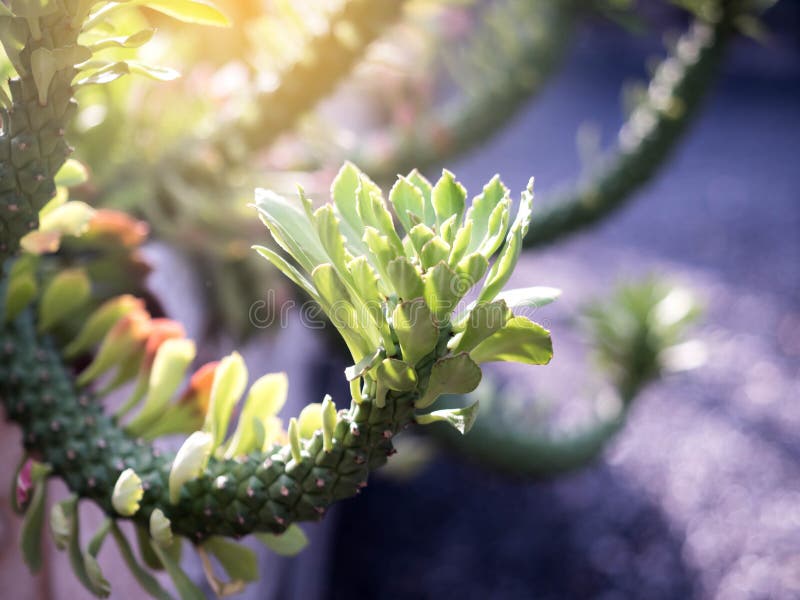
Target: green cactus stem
65	426
32	144
538	34
648	137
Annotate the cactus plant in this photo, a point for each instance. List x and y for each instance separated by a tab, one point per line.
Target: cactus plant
393	278
408	341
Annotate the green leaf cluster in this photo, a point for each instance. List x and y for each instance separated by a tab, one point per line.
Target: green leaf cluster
392	277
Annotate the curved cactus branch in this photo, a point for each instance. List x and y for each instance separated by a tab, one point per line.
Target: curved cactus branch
633	333
540	33
648	137
529	454
64	426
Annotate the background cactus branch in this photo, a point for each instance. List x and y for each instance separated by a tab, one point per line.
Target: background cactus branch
505	75
649	136
637	335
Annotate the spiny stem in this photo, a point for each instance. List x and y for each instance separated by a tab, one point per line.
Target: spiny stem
647	139
65	427
32	144
515	79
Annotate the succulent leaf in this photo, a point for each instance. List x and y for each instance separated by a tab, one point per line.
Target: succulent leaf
520	340
451	375
265	400
461	419
230	380
289	543
416	329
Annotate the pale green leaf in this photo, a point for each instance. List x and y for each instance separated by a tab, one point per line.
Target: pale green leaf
239	562
497	228
32	524
230	380
451	375
289	543
68	292
359	336
310	420
72	173
482	321
461	419
425	188
530	297
291	228
135	40
449	198
171	361
290	271
198	12
405	279
461	243
521	340
396	375
355	371
21	292
420	235
433	252
416	330
407	200
482	208
443	289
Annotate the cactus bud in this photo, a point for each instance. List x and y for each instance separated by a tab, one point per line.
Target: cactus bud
328	423
117	226
23	487
189	462
198	394
71	218
294	440
128	493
